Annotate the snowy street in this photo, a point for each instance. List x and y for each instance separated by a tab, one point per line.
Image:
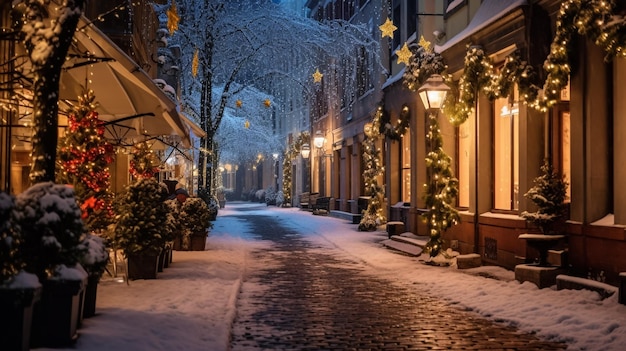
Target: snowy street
281	278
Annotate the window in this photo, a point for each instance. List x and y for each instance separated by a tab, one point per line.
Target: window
506	154
397	21
411	17
566	170
405	143
464	149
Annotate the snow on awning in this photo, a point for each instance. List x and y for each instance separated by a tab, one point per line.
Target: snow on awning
128	99
193	126
488	12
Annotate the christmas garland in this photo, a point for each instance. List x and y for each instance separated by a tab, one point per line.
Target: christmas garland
144	163
290	155
399	130
595	18
373	216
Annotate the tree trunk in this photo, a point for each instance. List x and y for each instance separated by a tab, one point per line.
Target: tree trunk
47	72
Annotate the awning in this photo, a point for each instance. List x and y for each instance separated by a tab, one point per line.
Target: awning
128	99
194	128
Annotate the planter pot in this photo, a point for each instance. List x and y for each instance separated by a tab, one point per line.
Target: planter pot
167	259
212	216
177	243
143	265
16	316
91	291
222	203
55	317
198	241
162	258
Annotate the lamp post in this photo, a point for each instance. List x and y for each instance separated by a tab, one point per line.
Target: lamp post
441	185
319	140
275	156
305	152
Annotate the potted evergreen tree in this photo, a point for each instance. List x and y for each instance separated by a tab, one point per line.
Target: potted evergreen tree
139	228
19	291
53	230
548	194
194	221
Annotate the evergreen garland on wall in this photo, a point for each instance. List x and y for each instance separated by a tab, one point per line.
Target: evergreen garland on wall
441	189
290	155
373	216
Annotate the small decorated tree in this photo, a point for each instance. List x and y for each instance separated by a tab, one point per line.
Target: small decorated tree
141	218
548	194
83	159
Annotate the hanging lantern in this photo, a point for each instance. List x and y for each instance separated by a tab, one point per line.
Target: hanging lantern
246	124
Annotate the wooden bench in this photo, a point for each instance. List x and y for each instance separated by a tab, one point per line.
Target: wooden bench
321	205
304	200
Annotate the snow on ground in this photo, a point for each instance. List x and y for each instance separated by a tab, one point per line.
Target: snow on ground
191	305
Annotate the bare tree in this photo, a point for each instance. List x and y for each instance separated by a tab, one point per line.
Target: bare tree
242	43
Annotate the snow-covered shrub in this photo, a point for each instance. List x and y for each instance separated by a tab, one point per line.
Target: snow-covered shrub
280	198
194	216
270	196
9	239
96	255
368	223
52	229
141	219
260	195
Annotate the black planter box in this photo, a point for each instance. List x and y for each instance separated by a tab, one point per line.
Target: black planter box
55	317
90	294
143	266
16	315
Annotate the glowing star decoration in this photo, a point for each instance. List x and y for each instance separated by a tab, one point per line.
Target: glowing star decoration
172	18
246	124
387	29
194	64
317	76
425	44
238	103
404	54
267	103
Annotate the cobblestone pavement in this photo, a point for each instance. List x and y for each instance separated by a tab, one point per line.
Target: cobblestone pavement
311	299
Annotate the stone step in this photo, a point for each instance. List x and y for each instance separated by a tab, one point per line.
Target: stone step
404	247
410	238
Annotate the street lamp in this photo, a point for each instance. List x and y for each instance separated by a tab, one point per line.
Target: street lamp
319	140
433	92
275	156
305	151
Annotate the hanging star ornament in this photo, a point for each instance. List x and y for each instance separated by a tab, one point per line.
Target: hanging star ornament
238	103
172	18
267	103
194	64
246	124
317	76
425	44
387	29
404	55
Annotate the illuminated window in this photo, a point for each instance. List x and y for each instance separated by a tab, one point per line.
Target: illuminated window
464	144
406	167
506	154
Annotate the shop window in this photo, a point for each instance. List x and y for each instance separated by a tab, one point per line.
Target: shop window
464	144
506	154
406	167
